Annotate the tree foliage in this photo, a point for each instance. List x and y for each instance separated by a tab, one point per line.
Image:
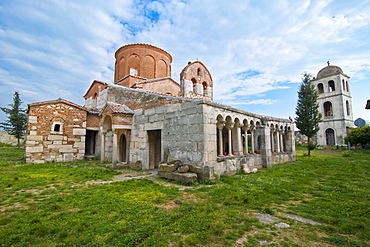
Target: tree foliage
307	110
359	136
17	118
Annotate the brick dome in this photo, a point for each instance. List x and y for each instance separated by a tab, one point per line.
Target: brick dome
142	60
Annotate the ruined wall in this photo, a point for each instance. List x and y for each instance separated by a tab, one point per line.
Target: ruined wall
46	142
8	139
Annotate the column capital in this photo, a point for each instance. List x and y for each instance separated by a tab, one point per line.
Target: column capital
229	125
221	124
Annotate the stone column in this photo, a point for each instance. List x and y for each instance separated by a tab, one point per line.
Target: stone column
272	139
264	132
278	141
102	147
245	129
239	144
229	127
220	126
281	146
252	138
114	151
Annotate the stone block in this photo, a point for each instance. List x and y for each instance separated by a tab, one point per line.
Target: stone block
164	167
68	150
79	145
32	119
35	149
187	177
80	132
33	133
34	138
194	168
30	142
183	169
68	157
136	165
55	137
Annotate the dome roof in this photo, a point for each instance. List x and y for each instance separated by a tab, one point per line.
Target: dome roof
329	71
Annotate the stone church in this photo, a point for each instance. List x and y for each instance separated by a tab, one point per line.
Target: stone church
145	117
335	105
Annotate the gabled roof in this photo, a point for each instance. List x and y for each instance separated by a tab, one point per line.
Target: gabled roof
93	84
118	108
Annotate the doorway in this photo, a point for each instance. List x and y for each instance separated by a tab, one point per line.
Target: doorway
154	139
90	142
330	138
123	148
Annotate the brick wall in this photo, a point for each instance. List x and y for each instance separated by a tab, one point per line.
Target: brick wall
45	142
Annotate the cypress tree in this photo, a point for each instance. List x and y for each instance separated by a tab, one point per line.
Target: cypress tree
17	118
307	110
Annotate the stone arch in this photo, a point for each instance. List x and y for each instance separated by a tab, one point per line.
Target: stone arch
328	109
320	88
331	86
148	68
194	85
121	68
161	69
107	123
330	136
133	65
205	86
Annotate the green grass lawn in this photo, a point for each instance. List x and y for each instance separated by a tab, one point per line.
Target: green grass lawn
52	205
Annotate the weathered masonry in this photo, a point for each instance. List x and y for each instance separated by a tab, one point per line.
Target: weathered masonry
145	118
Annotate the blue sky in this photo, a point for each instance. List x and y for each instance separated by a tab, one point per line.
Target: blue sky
255	50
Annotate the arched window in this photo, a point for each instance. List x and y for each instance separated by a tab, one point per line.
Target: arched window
330	137
320	88
198	72
204	88
344	86
331	86
347	108
328	109
194	84
347	86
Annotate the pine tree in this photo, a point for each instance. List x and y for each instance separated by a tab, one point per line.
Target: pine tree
17	118
307	110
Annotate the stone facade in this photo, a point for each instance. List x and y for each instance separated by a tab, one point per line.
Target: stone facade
148	121
56	131
335	105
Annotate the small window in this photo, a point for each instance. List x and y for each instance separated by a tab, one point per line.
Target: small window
347	86
347	108
331	86
320	88
56	127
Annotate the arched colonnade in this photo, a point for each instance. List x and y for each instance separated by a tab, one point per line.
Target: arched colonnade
236	136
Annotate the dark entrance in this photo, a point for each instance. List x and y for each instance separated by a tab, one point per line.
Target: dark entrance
90	142
330	138
154	137
123	148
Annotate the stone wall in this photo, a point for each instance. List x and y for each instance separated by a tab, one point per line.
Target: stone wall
8	139
45	142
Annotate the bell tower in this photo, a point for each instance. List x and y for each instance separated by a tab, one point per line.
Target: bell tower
335	105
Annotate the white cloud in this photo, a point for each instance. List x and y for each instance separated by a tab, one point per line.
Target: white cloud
56	48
